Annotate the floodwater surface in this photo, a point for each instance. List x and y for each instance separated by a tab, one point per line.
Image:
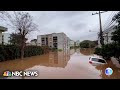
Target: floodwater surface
70	64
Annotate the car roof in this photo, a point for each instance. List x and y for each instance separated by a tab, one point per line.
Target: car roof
96	57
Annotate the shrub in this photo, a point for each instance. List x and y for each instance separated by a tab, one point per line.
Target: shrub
98	51
11	52
106	51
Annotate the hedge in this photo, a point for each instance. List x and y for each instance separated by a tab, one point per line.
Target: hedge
106	51
11	52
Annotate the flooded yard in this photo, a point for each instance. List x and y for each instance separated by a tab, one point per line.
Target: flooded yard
70	64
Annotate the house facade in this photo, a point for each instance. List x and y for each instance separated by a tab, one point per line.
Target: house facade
107	35
54	40
33	42
2	29
5	38
72	43
77	43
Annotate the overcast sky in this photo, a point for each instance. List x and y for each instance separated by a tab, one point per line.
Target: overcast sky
75	24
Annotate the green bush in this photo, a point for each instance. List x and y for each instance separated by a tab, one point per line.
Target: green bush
88	44
98	51
106	51
11	52
60	50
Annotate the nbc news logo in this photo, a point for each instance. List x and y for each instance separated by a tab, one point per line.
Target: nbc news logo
20	73
9	74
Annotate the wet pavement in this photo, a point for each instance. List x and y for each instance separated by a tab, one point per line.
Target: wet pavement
70	64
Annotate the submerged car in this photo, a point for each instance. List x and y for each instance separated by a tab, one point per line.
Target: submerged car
97	61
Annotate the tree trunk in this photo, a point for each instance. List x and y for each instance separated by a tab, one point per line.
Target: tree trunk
22	48
22	52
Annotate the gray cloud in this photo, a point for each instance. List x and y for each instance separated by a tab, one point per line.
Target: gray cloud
76	24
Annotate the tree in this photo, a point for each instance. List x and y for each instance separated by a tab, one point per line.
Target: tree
15	39
23	24
113	49
87	44
116	36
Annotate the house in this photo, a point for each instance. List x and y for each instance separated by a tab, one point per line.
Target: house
77	43
2	29
107	35
54	40
33	42
72	43
6	38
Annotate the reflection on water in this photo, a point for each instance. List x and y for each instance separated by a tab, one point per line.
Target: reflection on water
52	59
70	64
87	51
58	59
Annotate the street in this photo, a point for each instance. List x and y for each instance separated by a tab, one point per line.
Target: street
71	64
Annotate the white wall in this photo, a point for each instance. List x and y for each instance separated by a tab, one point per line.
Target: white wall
0	37
6	38
71	43
77	43
109	36
63	41
50	41
38	40
33	43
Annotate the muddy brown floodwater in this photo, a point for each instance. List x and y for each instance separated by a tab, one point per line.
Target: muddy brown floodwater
70	64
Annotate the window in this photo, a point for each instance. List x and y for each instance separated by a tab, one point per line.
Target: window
102	61
95	59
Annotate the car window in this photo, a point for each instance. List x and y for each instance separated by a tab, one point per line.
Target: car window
95	59
102	61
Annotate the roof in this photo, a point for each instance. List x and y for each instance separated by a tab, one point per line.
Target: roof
3	28
33	40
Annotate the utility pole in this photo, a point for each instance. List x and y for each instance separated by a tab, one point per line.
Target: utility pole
101	32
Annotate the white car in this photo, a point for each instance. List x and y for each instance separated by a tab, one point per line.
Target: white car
97	61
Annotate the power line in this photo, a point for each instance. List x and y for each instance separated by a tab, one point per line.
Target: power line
101	33
108	19
111	21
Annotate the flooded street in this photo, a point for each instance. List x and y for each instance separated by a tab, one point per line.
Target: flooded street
71	64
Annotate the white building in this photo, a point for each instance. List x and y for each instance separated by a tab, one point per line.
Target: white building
77	43
6	38
107	34
72	43
54	40
2	29
33	42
